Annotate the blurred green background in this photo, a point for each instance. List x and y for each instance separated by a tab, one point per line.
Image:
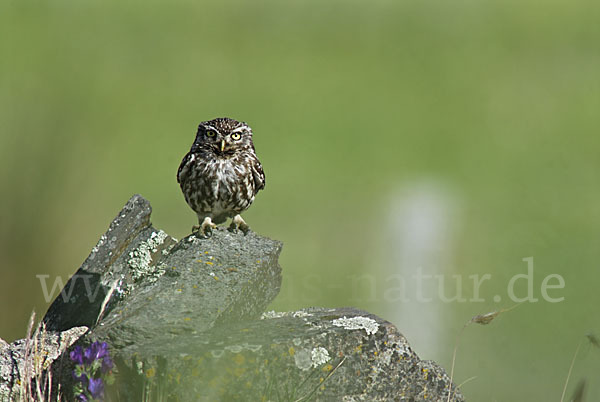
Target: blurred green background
454	137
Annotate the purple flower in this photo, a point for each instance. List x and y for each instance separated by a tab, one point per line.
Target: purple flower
77	355
96	351
92	366
107	364
96	388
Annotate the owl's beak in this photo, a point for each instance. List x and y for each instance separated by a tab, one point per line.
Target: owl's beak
222	145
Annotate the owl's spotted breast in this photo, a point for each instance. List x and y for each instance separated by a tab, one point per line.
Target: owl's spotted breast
221	174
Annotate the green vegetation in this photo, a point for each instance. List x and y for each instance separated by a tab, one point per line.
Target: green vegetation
352	103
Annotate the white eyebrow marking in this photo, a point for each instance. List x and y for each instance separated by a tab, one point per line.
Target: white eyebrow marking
211	128
242	128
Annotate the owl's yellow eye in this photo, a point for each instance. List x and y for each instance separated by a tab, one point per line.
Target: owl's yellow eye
236	136
210	133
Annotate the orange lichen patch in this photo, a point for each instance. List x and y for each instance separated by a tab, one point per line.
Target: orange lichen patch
209	263
327	367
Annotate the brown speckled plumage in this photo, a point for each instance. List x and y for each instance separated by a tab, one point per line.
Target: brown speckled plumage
221	174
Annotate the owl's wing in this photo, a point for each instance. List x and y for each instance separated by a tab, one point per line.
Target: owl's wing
258	175
184	166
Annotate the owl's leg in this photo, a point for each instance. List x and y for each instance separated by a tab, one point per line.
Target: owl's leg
205	228
238	223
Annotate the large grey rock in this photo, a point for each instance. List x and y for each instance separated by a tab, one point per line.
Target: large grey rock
313	354
138	280
110	266
203	283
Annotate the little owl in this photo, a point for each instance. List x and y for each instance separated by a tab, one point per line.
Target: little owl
221	174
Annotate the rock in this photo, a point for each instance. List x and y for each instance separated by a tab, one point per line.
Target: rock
318	354
204	282
23	363
109	267
183	322
138	280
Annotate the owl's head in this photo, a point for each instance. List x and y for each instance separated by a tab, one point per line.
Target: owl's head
223	136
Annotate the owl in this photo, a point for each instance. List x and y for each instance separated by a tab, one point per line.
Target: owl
221	174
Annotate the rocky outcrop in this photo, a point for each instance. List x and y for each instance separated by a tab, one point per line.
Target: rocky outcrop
184	320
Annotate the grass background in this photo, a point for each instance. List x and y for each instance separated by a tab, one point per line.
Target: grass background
492	105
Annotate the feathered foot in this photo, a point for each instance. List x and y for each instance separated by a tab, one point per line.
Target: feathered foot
238	223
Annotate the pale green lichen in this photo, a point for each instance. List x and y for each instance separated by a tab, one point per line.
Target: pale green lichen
319	356
97	246
140	259
303	359
301	314
272	314
368	324
275	314
306	359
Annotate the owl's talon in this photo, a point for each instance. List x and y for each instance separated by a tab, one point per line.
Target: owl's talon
238	223
206	228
